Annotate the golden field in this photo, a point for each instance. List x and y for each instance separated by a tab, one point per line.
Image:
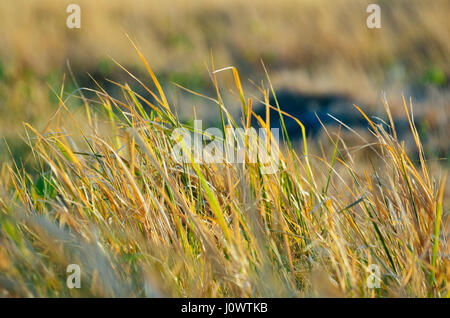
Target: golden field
86	175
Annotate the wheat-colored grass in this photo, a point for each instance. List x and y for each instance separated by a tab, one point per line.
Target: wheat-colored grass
140	224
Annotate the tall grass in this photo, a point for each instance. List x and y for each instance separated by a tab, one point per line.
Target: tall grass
138	223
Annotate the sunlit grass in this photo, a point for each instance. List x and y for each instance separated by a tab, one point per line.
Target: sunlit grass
140	224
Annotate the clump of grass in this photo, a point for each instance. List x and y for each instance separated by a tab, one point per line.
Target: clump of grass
141	224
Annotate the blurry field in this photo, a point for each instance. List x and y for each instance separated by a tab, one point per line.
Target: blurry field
313	46
91	182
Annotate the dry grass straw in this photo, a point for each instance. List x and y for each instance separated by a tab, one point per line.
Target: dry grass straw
140	224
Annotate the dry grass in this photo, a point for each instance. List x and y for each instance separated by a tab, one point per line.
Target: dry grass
140	224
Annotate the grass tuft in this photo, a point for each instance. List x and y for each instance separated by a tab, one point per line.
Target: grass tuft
109	197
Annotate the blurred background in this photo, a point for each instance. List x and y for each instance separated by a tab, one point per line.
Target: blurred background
314	50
